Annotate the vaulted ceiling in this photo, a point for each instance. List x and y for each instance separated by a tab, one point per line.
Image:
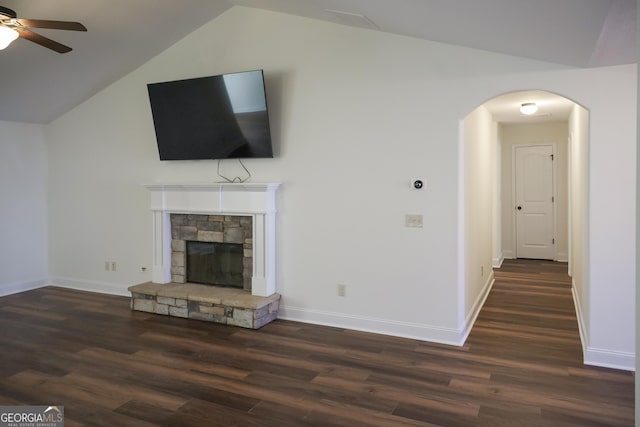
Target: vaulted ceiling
38	85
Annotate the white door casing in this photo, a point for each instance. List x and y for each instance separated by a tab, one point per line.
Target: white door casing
534	202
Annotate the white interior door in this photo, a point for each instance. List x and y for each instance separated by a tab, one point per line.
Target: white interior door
534	202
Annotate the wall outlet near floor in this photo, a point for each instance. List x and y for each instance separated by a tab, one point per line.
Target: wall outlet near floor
113	266
414	221
342	290
110	265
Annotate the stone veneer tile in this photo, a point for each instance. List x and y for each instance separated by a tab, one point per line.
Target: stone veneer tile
173	291
178	219
177	259
250	301
201	316
217	310
178	312
242	318
259	323
188	232
178	245
210	236
179	271
162	309
165	300
202	295
144	305
142	296
210	225
234	235
148	288
274	306
261	312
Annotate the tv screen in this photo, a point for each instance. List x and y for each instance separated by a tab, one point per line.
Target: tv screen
215	117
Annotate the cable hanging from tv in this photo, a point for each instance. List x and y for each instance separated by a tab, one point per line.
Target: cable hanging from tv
236	179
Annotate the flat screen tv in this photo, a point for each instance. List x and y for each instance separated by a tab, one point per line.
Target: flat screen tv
214	117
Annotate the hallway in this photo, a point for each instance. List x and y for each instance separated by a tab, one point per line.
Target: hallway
528	331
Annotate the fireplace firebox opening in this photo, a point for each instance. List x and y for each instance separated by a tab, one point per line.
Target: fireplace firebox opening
213	263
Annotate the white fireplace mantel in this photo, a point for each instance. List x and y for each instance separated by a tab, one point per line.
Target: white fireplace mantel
249	199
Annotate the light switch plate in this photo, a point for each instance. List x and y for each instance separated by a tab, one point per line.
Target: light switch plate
414	221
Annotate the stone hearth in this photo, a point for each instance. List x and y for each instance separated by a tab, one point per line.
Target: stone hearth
228	306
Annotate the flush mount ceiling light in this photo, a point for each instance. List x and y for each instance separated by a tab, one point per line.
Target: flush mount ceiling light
528	108
7	35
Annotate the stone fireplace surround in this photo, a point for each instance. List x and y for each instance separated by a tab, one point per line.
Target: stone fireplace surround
210	229
206	302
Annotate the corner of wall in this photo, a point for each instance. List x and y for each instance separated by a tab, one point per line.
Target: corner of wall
90	286
477	306
596	356
497	262
17	287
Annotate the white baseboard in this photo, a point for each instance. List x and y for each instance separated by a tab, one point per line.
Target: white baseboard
17	287
497	262
562	257
416	331
507	254
596	356
581	326
477	306
90	286
610	359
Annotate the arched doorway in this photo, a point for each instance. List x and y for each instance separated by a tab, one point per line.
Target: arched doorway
490	135
557	127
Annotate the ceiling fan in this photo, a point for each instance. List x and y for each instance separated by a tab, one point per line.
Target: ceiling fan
12	27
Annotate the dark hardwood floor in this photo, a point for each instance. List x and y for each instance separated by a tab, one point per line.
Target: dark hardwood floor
109	366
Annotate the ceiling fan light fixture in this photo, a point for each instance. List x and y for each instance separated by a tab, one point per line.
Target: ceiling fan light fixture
7	35
528	108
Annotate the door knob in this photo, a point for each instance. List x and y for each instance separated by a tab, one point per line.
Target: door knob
519	208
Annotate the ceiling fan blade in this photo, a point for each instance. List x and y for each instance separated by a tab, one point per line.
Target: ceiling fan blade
43	41
5	12
55	25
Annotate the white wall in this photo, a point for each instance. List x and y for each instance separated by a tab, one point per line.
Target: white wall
480	158
356	114
23	207
611	260
527	134
579	211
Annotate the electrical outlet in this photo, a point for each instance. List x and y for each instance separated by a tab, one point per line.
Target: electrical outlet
107	265
113	266
414	221
342	290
